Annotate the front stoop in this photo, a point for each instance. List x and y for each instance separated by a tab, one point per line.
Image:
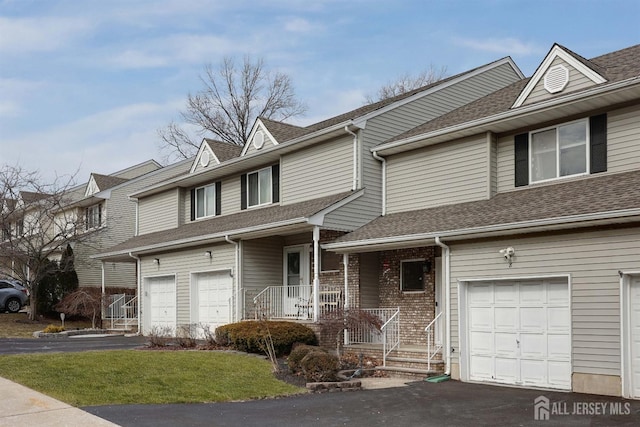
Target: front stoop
406	362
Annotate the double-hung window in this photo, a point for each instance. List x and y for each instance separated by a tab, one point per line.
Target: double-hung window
260	187
205	201
93	217
559	151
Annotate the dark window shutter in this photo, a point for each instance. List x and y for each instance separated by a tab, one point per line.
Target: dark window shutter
218	198
193	204
598	143
521	145
243	191
275	181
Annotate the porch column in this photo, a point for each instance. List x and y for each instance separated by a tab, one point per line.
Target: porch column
316	272
345	262
103	287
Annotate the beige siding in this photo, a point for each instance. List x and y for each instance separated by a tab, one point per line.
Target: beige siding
577	81
448	173
623	151
268	143
138	170
230	199
182	264
159	212
261	267
592	259
318	171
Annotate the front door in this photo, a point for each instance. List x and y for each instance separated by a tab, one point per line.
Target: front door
439	301
296	289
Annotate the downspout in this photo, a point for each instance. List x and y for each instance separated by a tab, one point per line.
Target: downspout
345	262
137	225
354	184
316	272
236	276
447	304
139	279
384	181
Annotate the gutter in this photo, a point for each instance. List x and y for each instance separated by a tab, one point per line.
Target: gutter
384	180
447	304
354	184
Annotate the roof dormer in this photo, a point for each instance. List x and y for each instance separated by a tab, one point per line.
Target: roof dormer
212	153
98	183
259	139
562	71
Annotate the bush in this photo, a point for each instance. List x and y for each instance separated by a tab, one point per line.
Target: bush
298	353
186	335
251	336
320	366
160	336
53	329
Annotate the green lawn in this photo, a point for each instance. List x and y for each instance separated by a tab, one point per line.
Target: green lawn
138	376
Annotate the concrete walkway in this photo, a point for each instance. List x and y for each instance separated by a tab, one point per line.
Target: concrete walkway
22	406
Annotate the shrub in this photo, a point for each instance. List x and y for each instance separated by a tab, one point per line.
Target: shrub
251	336
298	353
53	329
186	335
320	366
160	336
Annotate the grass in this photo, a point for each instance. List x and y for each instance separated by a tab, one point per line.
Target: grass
18	325
145	377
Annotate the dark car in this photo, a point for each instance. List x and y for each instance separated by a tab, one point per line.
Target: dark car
12	296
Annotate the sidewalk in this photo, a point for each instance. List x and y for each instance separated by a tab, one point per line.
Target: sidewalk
22	406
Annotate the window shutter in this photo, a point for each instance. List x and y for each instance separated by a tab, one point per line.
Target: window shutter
521	146
193	204
598	143
243	191
275	181
218	197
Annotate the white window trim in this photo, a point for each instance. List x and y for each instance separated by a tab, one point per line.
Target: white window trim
587	152
101	217
195	194
411	291
249	205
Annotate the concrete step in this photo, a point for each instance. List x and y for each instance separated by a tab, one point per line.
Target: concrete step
408	372
413	360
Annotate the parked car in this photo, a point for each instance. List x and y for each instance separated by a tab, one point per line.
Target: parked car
13	296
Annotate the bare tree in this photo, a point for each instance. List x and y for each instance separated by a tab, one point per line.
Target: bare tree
83	302
406	83
230	100
37	222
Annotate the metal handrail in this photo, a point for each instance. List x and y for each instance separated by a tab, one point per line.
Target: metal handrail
392	325
112	307
429	330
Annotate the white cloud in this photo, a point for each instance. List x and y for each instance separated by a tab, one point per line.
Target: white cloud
12	91
300	25
26	35
507	46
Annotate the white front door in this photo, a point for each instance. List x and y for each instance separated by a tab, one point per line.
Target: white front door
634	336
160	305
296	290
211	300
518	332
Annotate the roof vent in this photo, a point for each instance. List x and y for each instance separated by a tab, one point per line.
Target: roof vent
204	159
258	140
556	79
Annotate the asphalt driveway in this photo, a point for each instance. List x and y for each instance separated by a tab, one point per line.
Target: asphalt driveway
419	404
70	344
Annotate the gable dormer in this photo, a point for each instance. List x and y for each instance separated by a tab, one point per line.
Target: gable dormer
92	187
259	139
212	153
561	72
99	183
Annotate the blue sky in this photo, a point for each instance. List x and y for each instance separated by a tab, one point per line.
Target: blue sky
84	85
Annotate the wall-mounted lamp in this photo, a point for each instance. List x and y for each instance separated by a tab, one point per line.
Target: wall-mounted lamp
207	254
156	261
508	254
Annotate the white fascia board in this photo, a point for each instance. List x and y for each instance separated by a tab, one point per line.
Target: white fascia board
512	114
498	229
259	125
204	145
318	218
361	121
556	52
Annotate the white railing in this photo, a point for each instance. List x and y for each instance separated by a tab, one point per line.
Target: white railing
296	302
390	335
122	310
366	333
432	346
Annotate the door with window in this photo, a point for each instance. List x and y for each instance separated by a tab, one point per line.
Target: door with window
296	289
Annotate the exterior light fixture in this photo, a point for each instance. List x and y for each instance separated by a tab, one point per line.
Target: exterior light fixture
207	254
156	261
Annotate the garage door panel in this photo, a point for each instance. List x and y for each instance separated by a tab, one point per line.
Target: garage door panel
532	319
506	318
481	368
533	346
480	294
558	293
506	370
558	319
559	346
559	374
533	372
532	293
505	293
481	318
160	297
481	342
506	344
211	293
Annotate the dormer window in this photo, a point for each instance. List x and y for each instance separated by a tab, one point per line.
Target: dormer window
260	187
205	201
559	151
93	216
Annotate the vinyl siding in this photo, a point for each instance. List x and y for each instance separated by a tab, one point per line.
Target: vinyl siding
577	81
230	202
268	142
159	212
261	267
138	170
317	171
594	285
352	215
448	173
182	264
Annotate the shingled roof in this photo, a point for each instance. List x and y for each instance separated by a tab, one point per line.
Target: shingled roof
223	150
596	194
615	66
228	223
105	182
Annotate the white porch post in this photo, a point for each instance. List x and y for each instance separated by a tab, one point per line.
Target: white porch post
103	288
316	272
345	262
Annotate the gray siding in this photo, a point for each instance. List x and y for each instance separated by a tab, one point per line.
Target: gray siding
449	173
261	267
352	215
182	264
137	170
268	142
595	297
369	280
159	212
230	199
577	81
317	171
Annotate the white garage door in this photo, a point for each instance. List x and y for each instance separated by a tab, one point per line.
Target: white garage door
211	299
634	323
519	333
160	300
